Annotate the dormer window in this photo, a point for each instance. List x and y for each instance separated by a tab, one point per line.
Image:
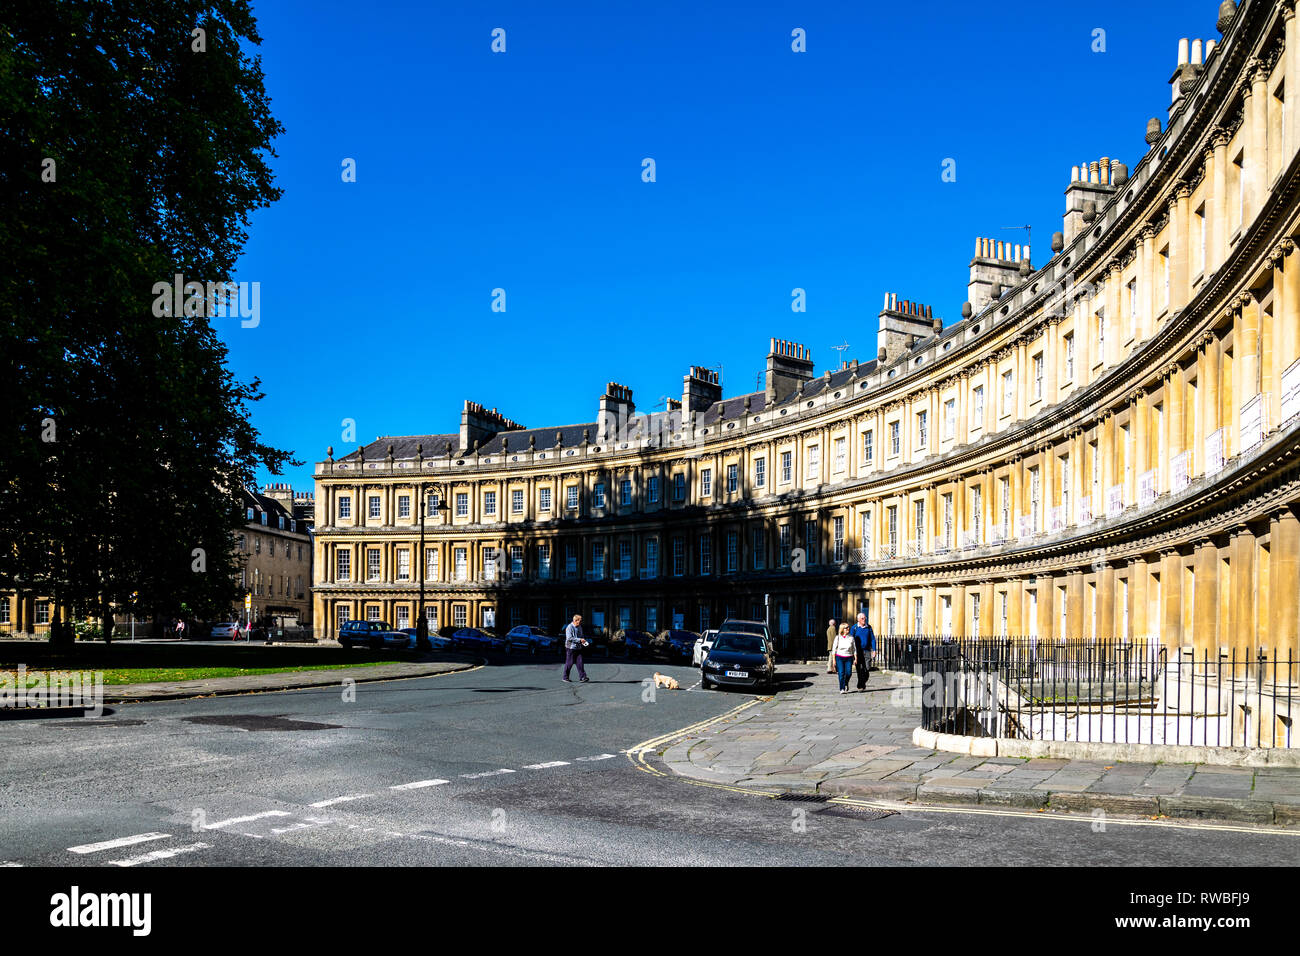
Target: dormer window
250	514
263	517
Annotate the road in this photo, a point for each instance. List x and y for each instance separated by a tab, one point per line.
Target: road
503	765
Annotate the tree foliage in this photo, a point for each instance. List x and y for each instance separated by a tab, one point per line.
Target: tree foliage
126	157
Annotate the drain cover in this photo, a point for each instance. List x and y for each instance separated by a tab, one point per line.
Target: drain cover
259	722
856	813
803	796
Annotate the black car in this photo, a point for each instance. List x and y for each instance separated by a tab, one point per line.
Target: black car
681	644
636	643
740	659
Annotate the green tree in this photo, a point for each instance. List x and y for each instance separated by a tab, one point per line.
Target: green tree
134	142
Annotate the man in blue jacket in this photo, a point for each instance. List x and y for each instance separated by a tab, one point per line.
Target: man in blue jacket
864	638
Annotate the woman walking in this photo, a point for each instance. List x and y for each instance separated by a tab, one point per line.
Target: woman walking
844	651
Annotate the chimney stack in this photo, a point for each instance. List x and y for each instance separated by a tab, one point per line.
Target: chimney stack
789	365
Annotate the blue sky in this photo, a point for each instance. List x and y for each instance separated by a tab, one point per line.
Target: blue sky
775	170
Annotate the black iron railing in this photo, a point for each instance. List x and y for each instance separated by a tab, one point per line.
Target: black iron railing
1104	691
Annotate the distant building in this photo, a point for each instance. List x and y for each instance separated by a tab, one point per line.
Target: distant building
277	549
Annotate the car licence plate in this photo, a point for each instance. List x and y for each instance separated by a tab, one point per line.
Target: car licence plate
737	673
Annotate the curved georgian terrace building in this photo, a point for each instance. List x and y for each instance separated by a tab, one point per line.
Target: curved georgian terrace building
1105	444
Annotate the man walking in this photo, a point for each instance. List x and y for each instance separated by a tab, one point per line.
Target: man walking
574	642
832	631
865	639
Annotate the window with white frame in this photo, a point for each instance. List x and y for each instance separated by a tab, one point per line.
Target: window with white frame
544	560
840	454
1069	357
403	506
947	520
783	543
570	560
918	522
571	497
625	558
975	614
922	433
489	502
516	501
625	492
760	472
343	562
977	400
372	612
342	614
4	610
679	487
459	615
345	507
462	504
759	547
814	469
787	466
544	499
679	555
706	482
403	614
1038	376
372	564
868	452
374	507
598	495
516	562
733	478
460	559
1008	393
892	516
706	554
597	560
895	438
837	539
431	562
977	513
1101	336
1035	499
652	557
891	616
652	489
403	565
811	536
733	551
950	418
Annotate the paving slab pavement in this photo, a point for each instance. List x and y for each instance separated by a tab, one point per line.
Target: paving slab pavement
860	745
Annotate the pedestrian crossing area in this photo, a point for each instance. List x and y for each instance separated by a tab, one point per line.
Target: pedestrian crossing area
334	822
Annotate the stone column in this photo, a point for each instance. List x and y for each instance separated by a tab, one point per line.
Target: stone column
1179	265
1137	588
1205	599
1291	59
1171	592
1256	115
1146	283
1105	601
1287	314
1284	586
1242	638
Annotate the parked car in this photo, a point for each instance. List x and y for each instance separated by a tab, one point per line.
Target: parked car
741	659
373	634
478	639
636	643
225	631
436	641
527	637
680	644
702	645
749	627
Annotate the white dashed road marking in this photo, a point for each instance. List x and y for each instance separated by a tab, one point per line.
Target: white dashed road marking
159	855
547	766
116	844
486	773
333	800
598	757
419	784
248	819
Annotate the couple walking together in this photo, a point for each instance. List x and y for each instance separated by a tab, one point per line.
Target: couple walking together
848	645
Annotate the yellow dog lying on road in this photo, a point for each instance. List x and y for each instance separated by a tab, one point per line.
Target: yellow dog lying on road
663	680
